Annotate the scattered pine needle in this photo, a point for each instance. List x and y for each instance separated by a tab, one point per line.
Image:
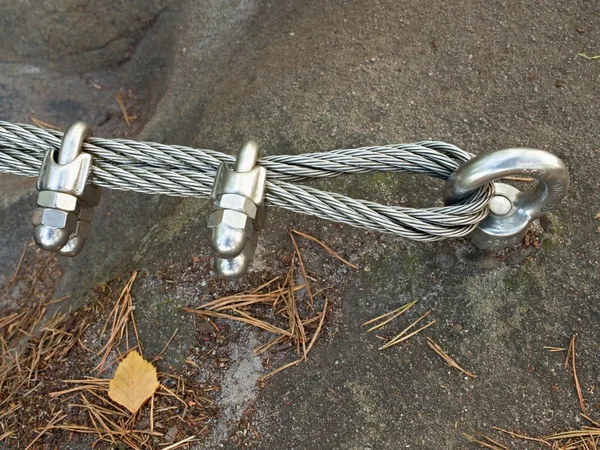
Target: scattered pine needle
522	436
245	318
318	330
285	366
586	438
589	432
6	435
180	443
326	247
123	109
119	318
403	332
493	446
592	421
157	357
395	313
285	317
308	290
401	338
568	356
436	348
19	264
554	349
34	348
41	124
591	58
577	386
56	418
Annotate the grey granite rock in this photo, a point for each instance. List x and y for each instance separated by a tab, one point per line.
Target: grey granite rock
302	76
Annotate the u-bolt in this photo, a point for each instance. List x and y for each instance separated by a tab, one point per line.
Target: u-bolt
66	201
511	210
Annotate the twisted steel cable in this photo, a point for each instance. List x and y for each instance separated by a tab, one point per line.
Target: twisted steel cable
155	168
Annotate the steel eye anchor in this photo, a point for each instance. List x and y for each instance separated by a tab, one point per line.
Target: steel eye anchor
65	202
511	210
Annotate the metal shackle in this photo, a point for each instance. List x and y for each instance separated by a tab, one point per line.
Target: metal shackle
66	201
511	210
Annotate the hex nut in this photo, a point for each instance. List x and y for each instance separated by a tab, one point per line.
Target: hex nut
233	219
58	200
54	218
236	202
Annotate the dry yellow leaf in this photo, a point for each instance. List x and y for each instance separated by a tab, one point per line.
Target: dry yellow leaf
134	382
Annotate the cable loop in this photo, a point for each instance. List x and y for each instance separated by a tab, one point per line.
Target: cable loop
154	168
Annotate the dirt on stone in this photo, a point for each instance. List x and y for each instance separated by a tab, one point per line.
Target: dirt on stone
56	364
48	369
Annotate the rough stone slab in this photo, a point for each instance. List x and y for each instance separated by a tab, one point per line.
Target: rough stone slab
312	75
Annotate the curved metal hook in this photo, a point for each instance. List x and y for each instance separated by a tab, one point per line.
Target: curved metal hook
73	141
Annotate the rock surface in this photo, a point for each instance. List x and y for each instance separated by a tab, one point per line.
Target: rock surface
303	76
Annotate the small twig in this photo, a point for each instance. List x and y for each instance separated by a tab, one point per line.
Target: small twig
436	348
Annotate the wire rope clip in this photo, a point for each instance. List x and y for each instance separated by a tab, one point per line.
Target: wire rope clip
511	210
66	201
238	212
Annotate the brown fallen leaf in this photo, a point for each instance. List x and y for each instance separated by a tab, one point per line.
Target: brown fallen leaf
135	381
